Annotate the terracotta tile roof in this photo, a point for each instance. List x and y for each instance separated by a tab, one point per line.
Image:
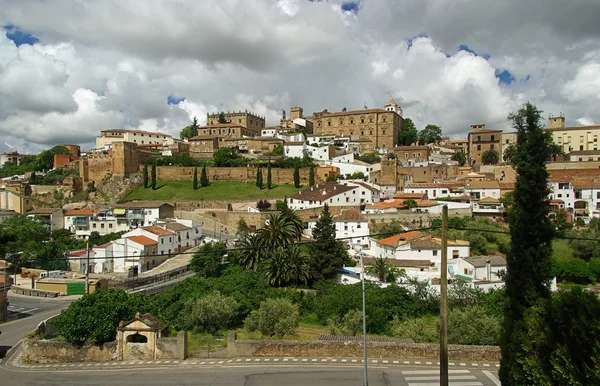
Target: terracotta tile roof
159	231
322	192
135	131
102	246
394	241
408	196
569	128
386	205
482	185
366	186
177	227
557	202
409	148
427	203
489	200
79	253
506	185
143	240
464	197
80	212
203	137
586	185
484	130
401	262
574	172
435	185
349	215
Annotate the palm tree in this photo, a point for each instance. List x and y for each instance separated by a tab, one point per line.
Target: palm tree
292	216
286	265
490	157
278	231
380	267
253	253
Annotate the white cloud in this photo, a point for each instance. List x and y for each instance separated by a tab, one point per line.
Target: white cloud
114	63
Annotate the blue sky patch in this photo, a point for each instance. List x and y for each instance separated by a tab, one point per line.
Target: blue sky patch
19	37
464	47
173	100
350	6
505	77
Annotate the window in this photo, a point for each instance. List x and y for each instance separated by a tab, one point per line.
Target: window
478	138
94	225
492	146
110	225
362	121
435	252
492	138
102	226
478	147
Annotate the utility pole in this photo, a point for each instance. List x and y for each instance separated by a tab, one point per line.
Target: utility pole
87	267
364	320
444	301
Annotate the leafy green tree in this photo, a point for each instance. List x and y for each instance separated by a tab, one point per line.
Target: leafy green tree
209	260
561	223
204	177
460	157
311	176
490	157
296	177
409	134
195	184
293	217
211	312
410	203
222	119
473	326
331	178
348	325
274	318
191	130
430	134
269	177
243	229
228	157
145	175
153	176
95	317
45	160
528	261
96	239
575	336
259	180
327	254
370	158
416	329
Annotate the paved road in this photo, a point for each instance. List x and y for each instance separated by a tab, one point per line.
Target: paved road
25	313
249	375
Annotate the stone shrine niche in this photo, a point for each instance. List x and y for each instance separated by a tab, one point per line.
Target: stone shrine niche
137	338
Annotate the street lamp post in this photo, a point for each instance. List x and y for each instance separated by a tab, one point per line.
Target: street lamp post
358	249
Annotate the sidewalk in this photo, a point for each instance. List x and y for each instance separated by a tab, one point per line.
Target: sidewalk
15	362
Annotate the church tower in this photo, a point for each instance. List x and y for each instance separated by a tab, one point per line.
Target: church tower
393	106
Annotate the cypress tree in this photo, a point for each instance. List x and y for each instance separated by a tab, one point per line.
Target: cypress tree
259	182
296	177
153	175
269	185
204	177
327	254
525	352
195	178
145	175
311	176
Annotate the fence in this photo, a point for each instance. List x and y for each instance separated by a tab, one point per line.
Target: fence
137	282
206	346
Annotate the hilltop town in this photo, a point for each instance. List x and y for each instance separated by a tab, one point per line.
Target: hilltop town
370	166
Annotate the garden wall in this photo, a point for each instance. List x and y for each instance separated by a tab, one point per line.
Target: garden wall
353	349
236	174
49	351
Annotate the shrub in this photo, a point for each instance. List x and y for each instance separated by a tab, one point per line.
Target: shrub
473	326
348	325
210	312
416	329
263	205
275	317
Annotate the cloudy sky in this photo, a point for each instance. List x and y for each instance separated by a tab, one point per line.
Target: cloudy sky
69	69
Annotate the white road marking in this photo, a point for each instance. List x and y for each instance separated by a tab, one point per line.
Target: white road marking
452	383
436	377
491	377
430	372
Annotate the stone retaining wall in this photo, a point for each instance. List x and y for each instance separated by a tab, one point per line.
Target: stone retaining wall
34	292
49	351
353	349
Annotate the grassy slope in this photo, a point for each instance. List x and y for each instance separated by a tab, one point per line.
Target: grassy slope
182	190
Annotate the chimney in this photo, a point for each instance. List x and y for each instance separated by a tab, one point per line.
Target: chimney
488	269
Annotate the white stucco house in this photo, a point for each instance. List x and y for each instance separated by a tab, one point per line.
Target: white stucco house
350	224
330	193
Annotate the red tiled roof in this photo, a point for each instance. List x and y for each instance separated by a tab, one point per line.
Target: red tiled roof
159	231
79	253
80	212
386	204
366	186
102	246
407	196
143	240
435	185
393	241
349	215
401	262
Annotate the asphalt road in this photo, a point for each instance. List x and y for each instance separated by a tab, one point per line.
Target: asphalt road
299	375
25	313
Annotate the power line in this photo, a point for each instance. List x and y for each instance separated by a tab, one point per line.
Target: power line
508	233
